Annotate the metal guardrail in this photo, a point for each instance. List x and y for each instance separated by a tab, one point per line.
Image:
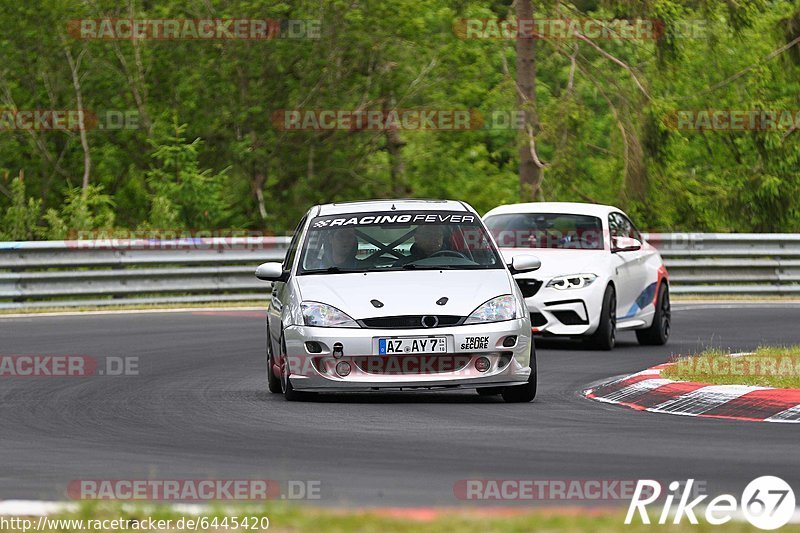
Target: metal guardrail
731	263
117	272
134	271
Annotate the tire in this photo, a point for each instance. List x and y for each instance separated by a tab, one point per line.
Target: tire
605	338
523	393
489	391
658	333
289	394
273	381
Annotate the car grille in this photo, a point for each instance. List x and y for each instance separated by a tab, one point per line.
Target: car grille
410	321
529	287
538	320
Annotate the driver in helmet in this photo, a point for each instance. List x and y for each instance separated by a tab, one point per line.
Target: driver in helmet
428	240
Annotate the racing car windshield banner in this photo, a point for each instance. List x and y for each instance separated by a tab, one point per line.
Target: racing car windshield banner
399	218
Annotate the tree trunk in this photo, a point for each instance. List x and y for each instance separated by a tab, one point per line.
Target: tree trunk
394	146
258	188
530	168
74	66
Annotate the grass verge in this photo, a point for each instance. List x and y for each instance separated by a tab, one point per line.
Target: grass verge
296	519
768	366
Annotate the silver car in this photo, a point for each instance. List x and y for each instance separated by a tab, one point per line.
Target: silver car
397	295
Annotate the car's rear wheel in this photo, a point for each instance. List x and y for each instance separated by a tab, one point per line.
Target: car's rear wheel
273	382
606	335
522	393
658	333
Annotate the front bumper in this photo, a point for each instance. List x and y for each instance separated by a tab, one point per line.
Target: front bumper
455	368
572	312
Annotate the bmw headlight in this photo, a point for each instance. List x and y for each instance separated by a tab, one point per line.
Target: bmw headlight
575	281
495	310
325	316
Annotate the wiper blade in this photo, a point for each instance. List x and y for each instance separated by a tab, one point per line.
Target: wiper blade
334	270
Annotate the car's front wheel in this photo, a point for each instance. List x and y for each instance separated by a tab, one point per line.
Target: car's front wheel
289	393
273	382
605	338
523	393
658	333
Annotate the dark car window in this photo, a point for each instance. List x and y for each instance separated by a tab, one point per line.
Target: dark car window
546	230
620	226
292	251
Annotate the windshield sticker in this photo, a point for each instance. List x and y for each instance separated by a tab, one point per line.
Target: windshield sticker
405	218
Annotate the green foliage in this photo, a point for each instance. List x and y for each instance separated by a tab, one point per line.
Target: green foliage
183	195
203	152
82	212
19	222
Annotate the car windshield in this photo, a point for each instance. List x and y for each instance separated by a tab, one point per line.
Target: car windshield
546	230
397	240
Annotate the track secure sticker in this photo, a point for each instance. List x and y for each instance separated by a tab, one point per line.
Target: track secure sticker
475	343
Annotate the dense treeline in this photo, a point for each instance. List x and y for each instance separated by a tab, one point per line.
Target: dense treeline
199	148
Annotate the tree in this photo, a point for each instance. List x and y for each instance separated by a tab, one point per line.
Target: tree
530	167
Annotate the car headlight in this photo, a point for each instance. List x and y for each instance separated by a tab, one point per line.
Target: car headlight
495	310
575	281
326	316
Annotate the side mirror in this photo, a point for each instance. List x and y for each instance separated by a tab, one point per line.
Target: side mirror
625	244
524	263
270	272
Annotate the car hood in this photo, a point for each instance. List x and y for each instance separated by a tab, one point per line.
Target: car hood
556	262
406	292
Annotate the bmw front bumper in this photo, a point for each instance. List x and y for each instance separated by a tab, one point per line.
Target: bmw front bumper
572	312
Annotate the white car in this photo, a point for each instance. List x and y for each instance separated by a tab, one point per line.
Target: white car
397	294
598	274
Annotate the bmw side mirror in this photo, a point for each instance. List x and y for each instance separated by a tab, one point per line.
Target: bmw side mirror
625	244
524	263
270	272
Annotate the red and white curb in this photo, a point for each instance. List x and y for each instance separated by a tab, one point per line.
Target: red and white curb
648	391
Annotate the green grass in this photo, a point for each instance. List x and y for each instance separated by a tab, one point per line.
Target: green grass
769	366
297	519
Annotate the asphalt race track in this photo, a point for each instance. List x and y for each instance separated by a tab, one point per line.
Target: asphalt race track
199	409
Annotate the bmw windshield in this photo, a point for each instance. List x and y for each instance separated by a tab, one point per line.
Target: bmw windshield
546	230
397	240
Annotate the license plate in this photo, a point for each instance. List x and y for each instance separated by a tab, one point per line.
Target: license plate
412	345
